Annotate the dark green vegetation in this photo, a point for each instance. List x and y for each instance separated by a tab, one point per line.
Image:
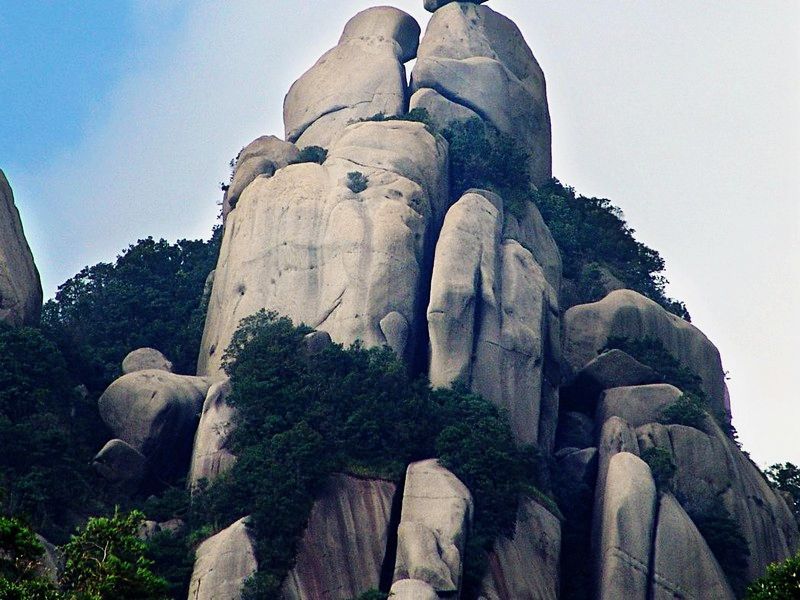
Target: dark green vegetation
781	582
661	466
151	296
312	154
786	478
105	560
687	410
357	182
350	410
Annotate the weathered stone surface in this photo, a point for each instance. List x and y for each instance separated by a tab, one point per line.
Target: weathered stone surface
318	341
492	316
638	404
579	466
653	435
434	5
120	464
52	561
145	358
20	288
412	589
441	111
478	58
526	566
434	524
530	230
622	551
683	564
344	546
575	430
611	369
360	77
262	156
222	564
211	455
303	244
625	313
156	413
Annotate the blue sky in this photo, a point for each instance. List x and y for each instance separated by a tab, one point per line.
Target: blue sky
119	119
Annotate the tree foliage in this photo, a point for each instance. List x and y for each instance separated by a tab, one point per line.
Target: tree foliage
21	559
781	582
786	478
661	466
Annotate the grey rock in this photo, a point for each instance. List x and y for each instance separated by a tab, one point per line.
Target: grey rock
51	564
435	520
579	466
360	77
222	564
622	550
625	313
526	566
145	358
120	464
683	564
434	5
638	405
478	58
302	244
318	341
211	454
575	430
344	545
20	287
412	589
530	230
441	111
156	413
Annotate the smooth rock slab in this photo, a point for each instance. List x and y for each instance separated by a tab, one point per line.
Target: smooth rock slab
145	358
412	589
388	23
344	545
223	562
211	455
20	288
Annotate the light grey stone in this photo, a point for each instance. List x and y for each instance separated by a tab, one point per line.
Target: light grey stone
211	454
120	464
344	545
579	466
478	58
51	564
638	404
388	23
302	244
156	413
20	288
222	564
145	358
526	566
626	529
441	111
683	564
435	520
625	313
412	589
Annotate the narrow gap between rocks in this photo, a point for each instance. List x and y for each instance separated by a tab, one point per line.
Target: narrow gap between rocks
390	556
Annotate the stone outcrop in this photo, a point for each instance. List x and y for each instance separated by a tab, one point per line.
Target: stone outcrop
638	405
352	264
434	5
144	359
211	455
477	58
121	464
412	589
262	156
434	524
526	566
20	288
344	545
360	77
625	313
156	413
222	564
492	317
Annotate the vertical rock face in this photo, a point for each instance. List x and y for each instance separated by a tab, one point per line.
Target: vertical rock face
362	76
434	524
354	264
20	288
211	456
344	546
222	564
526	566
492	315
477	58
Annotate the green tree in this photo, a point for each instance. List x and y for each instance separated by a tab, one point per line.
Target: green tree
21	556
781	582
661	465
786	478
106	561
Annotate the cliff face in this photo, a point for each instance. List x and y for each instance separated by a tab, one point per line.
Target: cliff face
20	288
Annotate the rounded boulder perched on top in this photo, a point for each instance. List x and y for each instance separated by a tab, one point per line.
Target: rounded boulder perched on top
145	358
434	5
385	22
156	413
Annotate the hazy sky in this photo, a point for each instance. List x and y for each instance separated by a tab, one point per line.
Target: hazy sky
118	119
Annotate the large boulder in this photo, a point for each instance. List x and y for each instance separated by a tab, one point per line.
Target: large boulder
145	358
625	534
262	156
638	404
492	317
628	314
683	564
211	454
434	5
354	264
20	287
477	58
121	464
156	413
435	521
412	589
360	77
344	545
526	566
222	564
